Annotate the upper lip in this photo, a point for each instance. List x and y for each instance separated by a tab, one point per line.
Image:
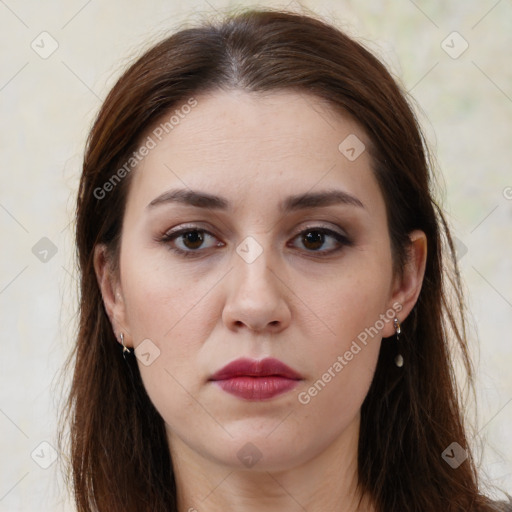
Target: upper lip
252	368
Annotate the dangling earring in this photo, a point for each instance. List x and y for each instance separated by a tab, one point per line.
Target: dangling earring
125	349
399	360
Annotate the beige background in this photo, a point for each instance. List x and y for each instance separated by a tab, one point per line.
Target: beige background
47	106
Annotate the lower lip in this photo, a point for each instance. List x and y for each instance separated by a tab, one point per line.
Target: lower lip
257	388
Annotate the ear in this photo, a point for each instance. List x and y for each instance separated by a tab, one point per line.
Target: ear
111	292
407	287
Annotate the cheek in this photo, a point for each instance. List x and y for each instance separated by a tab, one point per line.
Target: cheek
162	297
352	302
343	361
353	311
176	308
175	312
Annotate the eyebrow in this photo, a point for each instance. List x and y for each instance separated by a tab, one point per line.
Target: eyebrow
291	203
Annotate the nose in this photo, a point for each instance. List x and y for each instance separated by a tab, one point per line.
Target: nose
257	297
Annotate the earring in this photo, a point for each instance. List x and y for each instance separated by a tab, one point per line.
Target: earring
125	348
399	360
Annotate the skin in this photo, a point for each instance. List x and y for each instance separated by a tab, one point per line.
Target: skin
290	303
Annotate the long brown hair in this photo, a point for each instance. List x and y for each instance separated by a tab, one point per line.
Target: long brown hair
119	457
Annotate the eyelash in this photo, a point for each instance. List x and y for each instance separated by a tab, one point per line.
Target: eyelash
168	237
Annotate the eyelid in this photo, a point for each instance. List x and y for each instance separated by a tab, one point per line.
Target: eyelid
341	238
317	226
170	235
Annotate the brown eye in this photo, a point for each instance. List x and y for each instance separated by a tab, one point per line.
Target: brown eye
192	239
321	240
313	240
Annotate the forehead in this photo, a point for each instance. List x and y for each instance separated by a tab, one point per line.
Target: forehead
241	143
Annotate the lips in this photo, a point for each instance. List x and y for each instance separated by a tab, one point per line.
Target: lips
250	379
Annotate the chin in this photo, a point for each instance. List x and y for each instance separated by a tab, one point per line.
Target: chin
259	451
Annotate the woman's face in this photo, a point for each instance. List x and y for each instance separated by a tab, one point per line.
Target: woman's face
286	256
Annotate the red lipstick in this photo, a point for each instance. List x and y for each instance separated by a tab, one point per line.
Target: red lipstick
256	380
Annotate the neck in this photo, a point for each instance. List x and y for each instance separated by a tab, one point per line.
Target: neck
327	481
